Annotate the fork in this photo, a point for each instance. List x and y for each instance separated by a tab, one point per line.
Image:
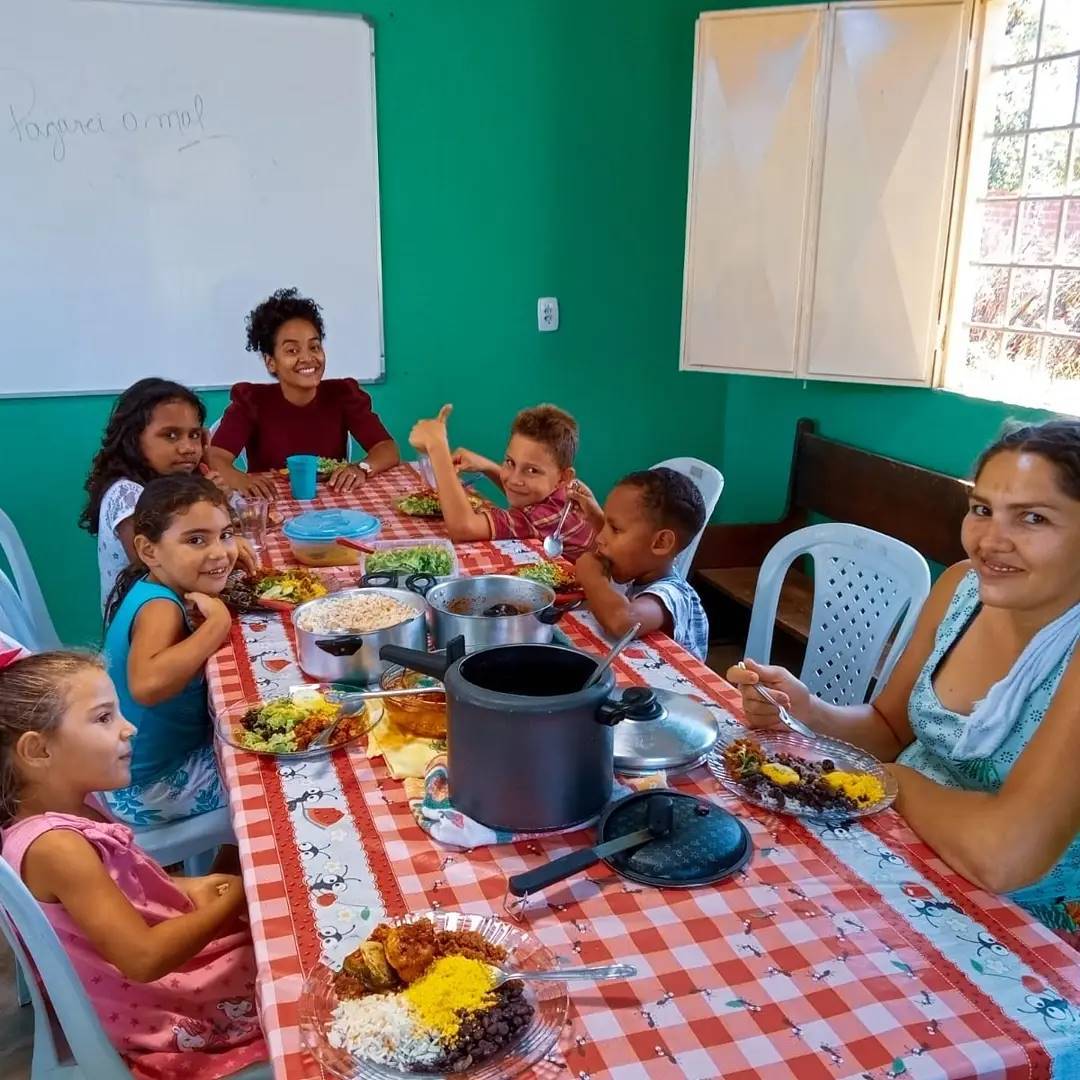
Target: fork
785	717
592	974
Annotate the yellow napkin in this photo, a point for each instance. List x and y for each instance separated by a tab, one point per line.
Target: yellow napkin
405	755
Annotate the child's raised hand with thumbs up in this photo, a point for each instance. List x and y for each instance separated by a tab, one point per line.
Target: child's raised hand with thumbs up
534	476
428	433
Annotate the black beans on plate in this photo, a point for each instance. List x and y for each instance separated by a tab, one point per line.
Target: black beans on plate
484	1034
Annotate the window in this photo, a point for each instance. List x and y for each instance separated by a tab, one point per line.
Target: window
1015	331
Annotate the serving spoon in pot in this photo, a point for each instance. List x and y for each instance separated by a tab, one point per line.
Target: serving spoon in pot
608	660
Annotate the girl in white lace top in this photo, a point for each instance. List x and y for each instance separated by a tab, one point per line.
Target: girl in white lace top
156	428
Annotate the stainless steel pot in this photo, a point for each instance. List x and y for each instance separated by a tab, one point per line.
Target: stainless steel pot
529	748
469	607
352	656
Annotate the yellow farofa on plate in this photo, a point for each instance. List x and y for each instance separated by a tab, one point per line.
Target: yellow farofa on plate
862	787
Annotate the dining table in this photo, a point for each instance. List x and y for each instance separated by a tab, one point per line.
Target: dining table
842	949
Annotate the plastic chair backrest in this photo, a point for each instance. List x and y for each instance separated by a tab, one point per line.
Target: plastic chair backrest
710	482
23	614
240	461
192	841
36	946
868	591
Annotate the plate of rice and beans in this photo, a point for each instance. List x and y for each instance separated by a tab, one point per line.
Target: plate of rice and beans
417	998
788	773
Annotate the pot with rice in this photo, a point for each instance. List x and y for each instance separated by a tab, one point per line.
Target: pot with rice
338	637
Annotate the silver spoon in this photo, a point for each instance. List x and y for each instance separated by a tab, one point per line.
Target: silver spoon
553	545
785	717
351	704
593	974
608	660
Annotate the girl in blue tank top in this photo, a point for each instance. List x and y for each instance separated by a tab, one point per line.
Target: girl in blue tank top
164	621
981	715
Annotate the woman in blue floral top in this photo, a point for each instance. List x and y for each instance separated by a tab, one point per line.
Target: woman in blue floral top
981	716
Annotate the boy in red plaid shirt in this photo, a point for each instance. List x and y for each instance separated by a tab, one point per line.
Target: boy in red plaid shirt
535	477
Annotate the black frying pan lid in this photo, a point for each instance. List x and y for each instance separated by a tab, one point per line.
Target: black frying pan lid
706	843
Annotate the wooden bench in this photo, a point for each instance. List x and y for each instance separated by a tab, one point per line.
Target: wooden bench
840	483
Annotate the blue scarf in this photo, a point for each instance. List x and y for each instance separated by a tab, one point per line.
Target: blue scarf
995	716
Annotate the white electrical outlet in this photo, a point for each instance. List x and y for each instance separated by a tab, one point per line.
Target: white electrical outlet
547	314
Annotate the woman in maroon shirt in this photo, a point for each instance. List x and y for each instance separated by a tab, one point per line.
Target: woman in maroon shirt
301	413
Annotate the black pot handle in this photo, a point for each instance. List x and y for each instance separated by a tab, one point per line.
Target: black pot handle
381	579
342	646
420	583
636	703
391	579
534	880
435	664
551	615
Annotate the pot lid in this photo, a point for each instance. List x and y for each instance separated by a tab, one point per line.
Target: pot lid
706	843
322	526
662	730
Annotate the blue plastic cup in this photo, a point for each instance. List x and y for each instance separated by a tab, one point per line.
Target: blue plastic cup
302	474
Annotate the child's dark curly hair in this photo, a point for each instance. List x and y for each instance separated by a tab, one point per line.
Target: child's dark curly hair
121	456
671	500
264	321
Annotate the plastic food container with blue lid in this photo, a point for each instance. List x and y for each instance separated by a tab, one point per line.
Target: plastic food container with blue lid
313	535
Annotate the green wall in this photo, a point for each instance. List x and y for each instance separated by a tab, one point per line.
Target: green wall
932	428
526	148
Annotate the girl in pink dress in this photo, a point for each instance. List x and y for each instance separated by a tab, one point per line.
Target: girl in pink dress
166	961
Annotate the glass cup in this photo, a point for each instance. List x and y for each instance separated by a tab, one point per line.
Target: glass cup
251	515
303	470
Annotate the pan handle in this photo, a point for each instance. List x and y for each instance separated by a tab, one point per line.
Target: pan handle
342	646
397	579
534	880
435	664
551	615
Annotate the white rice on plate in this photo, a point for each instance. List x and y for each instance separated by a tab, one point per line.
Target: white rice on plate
381	1028
355	614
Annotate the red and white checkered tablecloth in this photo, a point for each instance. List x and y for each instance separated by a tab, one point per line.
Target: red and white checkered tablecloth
850	952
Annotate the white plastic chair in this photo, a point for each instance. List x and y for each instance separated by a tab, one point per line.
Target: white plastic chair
74	1046
710	482
240	461
866	587
23	614
192	841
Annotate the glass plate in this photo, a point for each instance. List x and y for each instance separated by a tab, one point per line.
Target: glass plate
846	757
229	724
523	951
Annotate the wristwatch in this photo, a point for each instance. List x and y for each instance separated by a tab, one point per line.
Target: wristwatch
364	466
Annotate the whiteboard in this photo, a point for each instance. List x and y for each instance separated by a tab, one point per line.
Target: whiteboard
166	166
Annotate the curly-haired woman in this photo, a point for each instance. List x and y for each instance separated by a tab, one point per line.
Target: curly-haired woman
299	413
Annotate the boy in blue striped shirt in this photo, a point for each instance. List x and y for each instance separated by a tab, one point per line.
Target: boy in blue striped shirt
649	517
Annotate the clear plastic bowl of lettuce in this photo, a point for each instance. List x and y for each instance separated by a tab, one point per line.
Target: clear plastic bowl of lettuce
435	556
284	726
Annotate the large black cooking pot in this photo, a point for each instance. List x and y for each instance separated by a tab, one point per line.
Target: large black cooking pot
528	749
